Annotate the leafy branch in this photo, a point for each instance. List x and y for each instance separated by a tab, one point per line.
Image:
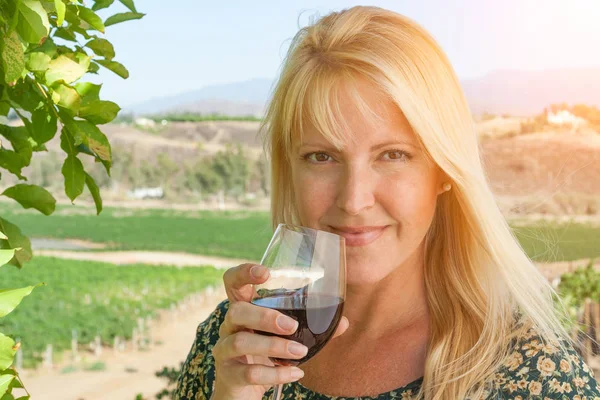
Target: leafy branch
46	47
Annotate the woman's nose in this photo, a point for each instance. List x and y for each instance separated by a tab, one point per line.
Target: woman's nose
355	189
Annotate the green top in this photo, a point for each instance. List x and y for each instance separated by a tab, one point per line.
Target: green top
534	370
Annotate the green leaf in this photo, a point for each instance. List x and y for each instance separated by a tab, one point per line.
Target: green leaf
15	240
10	298
12	162
88	92
8	13
91	18
94	68
115	67
25	95
65	69
72	14
4	101
89	134
60	11
80	58
16	384
38	61
33	24
4	108
69	98
65	34
32	196
66	142
95	191
7	351
19	139
81	31
13	58
44	125
99	111
74	175
6	256
5	381
8	395
3	236
48	48
129	4
100	4
122	17
102	47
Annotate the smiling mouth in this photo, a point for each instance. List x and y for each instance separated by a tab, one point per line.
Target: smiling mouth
359	236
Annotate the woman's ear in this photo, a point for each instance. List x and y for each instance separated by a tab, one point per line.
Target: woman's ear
444	183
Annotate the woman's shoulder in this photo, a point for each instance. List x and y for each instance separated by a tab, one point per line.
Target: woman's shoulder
538	368
198	372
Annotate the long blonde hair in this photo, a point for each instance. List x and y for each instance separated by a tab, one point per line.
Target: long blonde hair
481	286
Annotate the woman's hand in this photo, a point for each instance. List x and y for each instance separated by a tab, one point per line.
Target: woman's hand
242	365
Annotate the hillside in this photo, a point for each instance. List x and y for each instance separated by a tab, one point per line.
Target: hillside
552	172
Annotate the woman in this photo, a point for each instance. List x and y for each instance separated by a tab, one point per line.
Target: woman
370	137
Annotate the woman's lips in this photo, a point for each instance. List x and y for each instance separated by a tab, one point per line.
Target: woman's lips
359	236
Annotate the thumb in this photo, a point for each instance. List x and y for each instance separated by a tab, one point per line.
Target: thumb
239	280
342	327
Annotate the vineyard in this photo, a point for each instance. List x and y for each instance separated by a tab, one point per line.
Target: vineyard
239	234
93	299
580	293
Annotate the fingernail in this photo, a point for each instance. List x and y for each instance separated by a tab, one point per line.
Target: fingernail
297	349
286	323
258	271
297	373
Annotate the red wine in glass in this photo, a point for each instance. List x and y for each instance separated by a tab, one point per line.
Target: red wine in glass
316	321
307	282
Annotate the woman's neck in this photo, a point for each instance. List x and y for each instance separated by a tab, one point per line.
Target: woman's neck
396	304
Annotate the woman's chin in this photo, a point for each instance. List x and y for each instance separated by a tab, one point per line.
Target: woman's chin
364	276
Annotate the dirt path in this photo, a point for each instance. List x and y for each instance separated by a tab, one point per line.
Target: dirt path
127	373
145	257
550	270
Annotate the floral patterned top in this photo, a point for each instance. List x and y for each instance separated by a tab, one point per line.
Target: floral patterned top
534	370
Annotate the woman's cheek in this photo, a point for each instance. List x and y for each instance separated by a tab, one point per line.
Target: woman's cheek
315	194
412	194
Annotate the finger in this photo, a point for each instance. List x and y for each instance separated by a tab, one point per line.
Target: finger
341	328
247	343
242	316
239	280
255	374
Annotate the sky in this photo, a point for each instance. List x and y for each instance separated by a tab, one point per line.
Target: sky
187	44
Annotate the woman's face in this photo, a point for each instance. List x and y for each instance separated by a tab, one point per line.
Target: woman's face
379	191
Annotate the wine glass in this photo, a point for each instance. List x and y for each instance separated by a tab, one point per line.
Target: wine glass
307	283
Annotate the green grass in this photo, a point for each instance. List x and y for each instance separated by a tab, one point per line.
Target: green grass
244	234
549	241
97	366
92	297
238	234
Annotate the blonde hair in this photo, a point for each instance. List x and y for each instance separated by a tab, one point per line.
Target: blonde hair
481	286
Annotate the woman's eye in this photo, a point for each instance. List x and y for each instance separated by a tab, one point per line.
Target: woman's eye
317	157
396	155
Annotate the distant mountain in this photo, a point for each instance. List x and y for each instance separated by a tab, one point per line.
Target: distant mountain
499	92
528	92
238	98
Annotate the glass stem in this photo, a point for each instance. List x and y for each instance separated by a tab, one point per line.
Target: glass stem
277	389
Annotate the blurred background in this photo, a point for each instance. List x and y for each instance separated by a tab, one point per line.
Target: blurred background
189	191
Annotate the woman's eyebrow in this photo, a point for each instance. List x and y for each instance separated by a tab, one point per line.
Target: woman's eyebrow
373	148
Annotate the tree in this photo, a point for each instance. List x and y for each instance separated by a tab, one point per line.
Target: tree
233	167
46	47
